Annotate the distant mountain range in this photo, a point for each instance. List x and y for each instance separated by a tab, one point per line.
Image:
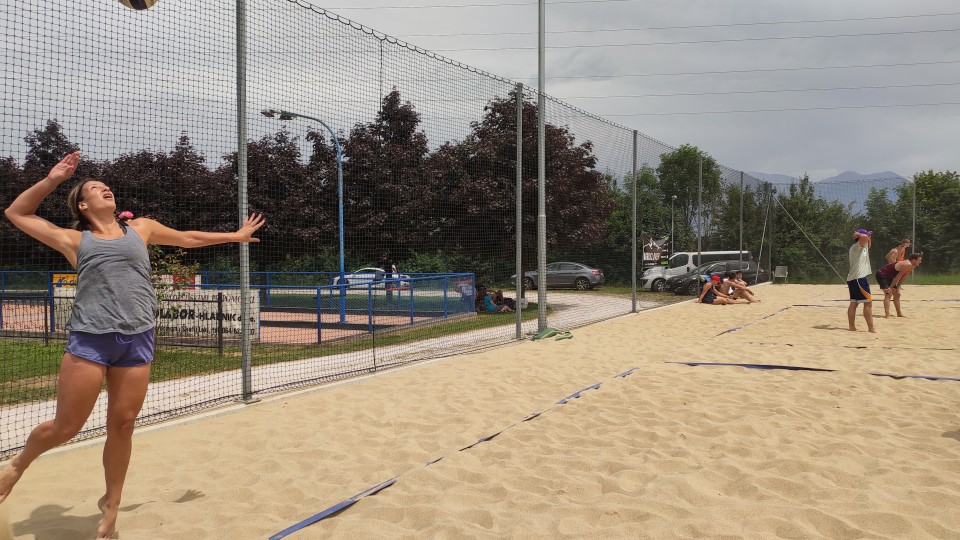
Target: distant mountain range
848	188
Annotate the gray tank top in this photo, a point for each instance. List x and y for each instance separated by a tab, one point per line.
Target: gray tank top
114	291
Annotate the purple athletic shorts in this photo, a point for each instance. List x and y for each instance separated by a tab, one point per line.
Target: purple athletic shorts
112	349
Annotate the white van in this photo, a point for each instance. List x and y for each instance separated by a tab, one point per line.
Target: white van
682	262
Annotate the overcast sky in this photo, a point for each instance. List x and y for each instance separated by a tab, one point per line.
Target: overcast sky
818	121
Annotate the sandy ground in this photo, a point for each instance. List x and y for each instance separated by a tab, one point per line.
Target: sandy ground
667	451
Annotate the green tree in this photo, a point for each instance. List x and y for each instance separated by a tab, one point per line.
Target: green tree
810	232
938	218
479	175
679	175
385	184
755	202
881	215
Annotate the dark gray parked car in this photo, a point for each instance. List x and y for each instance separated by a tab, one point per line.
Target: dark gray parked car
564	274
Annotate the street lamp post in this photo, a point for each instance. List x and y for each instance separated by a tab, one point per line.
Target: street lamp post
673	239
287	115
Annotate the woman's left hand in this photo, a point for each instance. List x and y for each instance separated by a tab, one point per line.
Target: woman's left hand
250	226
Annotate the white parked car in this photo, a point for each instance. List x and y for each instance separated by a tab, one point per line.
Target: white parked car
682	262
372	275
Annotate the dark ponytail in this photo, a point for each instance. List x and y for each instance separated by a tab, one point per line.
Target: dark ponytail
74	198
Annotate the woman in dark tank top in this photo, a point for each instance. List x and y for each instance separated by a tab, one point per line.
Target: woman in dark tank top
115	307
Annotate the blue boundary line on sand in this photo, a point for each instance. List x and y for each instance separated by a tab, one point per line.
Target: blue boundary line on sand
742	326
800	368
343	505
753	366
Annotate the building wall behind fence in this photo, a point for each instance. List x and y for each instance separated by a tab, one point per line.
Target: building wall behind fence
429	163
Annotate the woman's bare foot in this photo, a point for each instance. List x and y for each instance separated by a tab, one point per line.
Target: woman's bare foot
8	478
108	525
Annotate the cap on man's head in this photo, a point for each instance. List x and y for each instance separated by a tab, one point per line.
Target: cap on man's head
864	231
715	278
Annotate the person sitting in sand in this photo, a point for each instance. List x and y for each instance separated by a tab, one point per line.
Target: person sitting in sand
501	300
738	287
492	307
711	294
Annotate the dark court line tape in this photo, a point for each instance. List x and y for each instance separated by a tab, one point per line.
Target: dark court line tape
343	505
735	328
334	509
753	366
817	305
917	300
928	377
625	373
487	438
576	395
882	347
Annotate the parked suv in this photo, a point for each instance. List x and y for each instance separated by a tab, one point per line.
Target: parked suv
691	282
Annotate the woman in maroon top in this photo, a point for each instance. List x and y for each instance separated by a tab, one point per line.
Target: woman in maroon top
890	277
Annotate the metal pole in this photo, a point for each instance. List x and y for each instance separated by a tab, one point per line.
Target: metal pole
245	354
770	210
673	239
633	231
343	295
519	202
541	178
740	255
699	206
288	115
913	233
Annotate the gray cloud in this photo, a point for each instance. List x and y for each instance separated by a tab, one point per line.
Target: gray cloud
820	142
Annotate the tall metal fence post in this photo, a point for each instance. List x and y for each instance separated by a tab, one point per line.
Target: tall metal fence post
220	323
541	178
913	231
771	209
51	320
518	228
46	322
320	315
699	207
245	360
740	256
633	230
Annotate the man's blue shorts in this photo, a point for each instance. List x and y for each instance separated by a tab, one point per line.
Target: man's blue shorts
859	290
113	349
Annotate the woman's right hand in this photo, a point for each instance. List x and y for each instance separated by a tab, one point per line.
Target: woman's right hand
65	169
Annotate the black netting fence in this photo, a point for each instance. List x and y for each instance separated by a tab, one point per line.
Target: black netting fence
401	195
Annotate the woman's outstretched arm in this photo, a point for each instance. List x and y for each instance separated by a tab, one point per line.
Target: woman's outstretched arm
154	232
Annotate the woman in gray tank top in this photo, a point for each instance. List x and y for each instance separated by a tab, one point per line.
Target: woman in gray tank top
112	323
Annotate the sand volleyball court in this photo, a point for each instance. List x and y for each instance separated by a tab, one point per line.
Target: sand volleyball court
664	450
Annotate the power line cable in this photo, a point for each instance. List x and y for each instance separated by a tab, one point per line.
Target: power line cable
499	4
761	70
679	94
693	42
686	27
792	109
